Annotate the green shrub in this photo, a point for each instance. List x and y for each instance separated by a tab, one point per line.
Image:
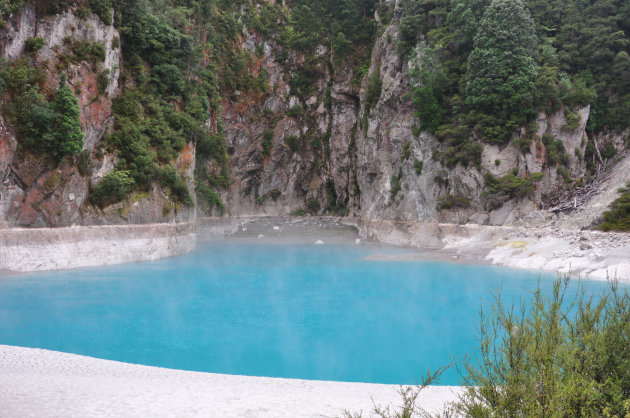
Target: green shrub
523	144
385	12
102	8
428	81
67	137
417	165
452	201
373	92
395	184
464	153
211	146
267	142
275	194
296	111
562	170
298	212
33	45
210	200
609	150
500	190
406	151
93	52
617	217
557	357
112	188
293	142
554	356
102	81
573	120
555	150
44	127
313	205
176	184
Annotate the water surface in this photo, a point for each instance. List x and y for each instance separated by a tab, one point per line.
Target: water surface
300	311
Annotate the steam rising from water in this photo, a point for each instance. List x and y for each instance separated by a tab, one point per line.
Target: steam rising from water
257	308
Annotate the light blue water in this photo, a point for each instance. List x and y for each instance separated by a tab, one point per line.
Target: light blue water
300	311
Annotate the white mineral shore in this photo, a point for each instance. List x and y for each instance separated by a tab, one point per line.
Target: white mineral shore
25	250
587	254
42	383
38	249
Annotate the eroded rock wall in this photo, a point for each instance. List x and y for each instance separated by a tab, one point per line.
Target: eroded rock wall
309	152
37	192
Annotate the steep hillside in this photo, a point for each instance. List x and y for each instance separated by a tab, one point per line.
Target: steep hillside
490	112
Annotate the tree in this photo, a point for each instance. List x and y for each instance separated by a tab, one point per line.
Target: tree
502	66
464	18
428	81
66	135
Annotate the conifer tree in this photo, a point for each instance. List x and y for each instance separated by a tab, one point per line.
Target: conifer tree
67	134
502	66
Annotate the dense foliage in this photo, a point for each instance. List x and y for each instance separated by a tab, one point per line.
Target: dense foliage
500	190
502	66
67	137
489	65
557	357
50	127
170	91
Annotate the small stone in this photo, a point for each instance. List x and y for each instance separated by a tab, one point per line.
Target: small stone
261	236
585	246
71	197
276	228
319	242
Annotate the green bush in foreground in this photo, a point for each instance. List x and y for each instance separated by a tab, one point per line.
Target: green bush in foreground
553	357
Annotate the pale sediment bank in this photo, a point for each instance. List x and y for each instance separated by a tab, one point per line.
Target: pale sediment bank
589	254
36	382
26	250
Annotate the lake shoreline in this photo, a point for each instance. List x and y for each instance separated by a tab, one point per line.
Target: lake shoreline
587	254
48	383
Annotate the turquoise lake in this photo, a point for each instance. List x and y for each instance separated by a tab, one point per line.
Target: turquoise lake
300	311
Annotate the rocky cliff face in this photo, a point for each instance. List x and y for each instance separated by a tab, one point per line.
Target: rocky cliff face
307	143
35	191
372	156
389	149
287	150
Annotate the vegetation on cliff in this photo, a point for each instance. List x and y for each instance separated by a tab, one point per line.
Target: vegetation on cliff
498	62
617	218
51	127
479	71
